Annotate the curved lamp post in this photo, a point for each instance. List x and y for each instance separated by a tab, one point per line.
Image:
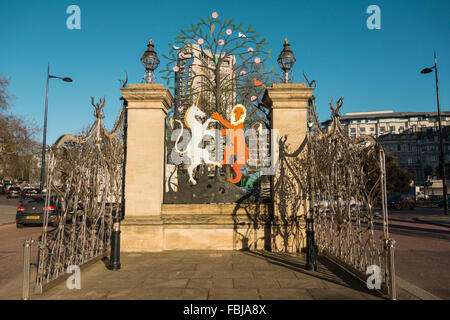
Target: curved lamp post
441	138
286	60
150	61
44	140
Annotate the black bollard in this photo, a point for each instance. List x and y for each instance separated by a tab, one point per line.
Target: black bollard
310	246
114	261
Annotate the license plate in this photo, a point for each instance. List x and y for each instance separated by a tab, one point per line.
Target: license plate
33	217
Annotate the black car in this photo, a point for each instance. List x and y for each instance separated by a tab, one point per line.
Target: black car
14	192
32	209
441	202
29	192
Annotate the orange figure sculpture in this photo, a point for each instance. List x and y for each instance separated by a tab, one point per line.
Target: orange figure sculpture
235	131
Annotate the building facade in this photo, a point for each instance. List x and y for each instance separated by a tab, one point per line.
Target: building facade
412	137
378	123
418	151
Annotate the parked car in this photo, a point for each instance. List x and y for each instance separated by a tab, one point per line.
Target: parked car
398	202
32	210
325	204
29	191
435	198
14	192
441	202
2	189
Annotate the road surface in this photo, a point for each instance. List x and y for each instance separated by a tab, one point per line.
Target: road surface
422	251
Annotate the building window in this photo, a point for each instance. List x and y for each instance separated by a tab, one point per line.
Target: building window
382	129
392	128
373	129
399	147
362	129
409	147
410	161
352	130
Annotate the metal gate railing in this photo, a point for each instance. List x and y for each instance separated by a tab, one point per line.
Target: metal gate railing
84	188
346	183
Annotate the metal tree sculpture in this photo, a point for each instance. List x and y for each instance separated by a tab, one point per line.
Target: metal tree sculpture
219	60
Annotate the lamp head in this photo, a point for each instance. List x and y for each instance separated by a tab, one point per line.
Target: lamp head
426	70
286	59
150	59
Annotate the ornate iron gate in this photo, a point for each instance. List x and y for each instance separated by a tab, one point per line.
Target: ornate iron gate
346	183
84	185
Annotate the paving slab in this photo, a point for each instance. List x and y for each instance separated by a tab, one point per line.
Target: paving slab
336	294
285	294
234	294
210	283
246	283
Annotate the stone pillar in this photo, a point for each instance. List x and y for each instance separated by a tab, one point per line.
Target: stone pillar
144	181
289	106
289	110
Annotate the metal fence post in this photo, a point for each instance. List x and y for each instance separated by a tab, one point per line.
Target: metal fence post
26	269
392	281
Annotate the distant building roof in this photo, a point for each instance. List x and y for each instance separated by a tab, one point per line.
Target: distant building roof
387	114
368	112
390	114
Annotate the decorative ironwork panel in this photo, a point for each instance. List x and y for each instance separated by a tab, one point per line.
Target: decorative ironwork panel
218	132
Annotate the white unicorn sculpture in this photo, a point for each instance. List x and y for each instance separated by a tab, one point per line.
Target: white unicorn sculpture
199	131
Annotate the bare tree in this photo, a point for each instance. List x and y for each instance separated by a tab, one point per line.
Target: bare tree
18	149
5	97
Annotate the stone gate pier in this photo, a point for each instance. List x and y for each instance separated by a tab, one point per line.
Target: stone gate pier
150	225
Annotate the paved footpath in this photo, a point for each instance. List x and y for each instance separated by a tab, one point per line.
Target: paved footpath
212	275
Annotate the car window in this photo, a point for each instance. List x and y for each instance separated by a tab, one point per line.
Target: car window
33	200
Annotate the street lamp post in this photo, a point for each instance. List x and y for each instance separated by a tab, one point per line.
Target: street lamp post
44	140
441	138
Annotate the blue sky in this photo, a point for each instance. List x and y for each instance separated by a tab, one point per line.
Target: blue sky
372	69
